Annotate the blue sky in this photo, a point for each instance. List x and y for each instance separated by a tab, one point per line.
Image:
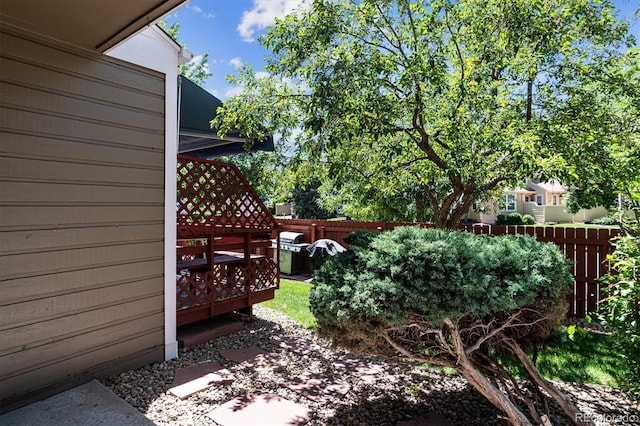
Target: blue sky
228	31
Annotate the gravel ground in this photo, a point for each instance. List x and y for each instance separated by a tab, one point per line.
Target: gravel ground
402	393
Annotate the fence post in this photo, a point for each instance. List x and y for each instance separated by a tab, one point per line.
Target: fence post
322	228
313	232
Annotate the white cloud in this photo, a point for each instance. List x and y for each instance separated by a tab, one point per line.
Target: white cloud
263	14
236	62
199	10
236	90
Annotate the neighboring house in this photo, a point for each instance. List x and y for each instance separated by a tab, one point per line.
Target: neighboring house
545	201
88	148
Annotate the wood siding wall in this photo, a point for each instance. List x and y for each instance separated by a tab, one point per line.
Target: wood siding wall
81	217
586	248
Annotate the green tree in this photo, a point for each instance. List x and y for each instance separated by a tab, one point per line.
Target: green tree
305	203
195	70
263	170
443	102
605	161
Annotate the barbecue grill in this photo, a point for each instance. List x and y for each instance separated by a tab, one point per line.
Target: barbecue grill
291	248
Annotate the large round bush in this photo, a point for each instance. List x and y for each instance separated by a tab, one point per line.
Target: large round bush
386	278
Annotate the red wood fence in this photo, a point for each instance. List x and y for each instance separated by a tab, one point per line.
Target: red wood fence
586	248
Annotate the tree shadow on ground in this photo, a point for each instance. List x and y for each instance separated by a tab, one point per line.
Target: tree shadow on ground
464	407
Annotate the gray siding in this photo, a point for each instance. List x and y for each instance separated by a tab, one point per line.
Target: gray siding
81	217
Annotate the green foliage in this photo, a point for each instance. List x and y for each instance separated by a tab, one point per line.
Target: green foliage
514	218
415	110
620	310
605	220
196	70
605	161
263	170
527	219
436	274
305	202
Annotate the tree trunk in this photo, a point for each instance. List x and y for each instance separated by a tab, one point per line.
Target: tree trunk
481	383
563	401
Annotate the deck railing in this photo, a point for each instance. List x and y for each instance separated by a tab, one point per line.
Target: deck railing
224	232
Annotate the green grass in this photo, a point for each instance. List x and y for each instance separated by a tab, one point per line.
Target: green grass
292	299
589	358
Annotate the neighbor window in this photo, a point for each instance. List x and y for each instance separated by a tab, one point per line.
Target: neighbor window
509	201
539	200
554	200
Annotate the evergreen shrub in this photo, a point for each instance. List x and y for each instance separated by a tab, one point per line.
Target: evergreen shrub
383	279
527	219
514	219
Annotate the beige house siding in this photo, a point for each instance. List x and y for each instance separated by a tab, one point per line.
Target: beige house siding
81	216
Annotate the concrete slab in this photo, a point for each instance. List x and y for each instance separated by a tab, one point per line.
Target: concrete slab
260	410
242	354
220	377
196	378
89	404
318	387
195	371
264	360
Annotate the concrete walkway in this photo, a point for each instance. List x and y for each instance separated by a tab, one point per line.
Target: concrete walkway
89	404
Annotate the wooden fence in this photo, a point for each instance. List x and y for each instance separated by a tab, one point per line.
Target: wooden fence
586	248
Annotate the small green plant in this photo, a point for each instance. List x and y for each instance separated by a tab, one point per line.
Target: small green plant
514	218
414	390
527	219
605	220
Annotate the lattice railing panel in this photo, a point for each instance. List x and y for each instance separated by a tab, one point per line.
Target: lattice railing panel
225	281
193	289
266	275
215	193
233	283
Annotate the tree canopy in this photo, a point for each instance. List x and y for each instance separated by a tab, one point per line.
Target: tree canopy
438	104
196	70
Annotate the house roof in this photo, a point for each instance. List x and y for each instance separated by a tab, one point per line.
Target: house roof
552	186
95	25
197	139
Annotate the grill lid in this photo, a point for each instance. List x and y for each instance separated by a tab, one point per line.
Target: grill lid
291	237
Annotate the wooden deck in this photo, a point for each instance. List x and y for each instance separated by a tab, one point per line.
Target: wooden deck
224	236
